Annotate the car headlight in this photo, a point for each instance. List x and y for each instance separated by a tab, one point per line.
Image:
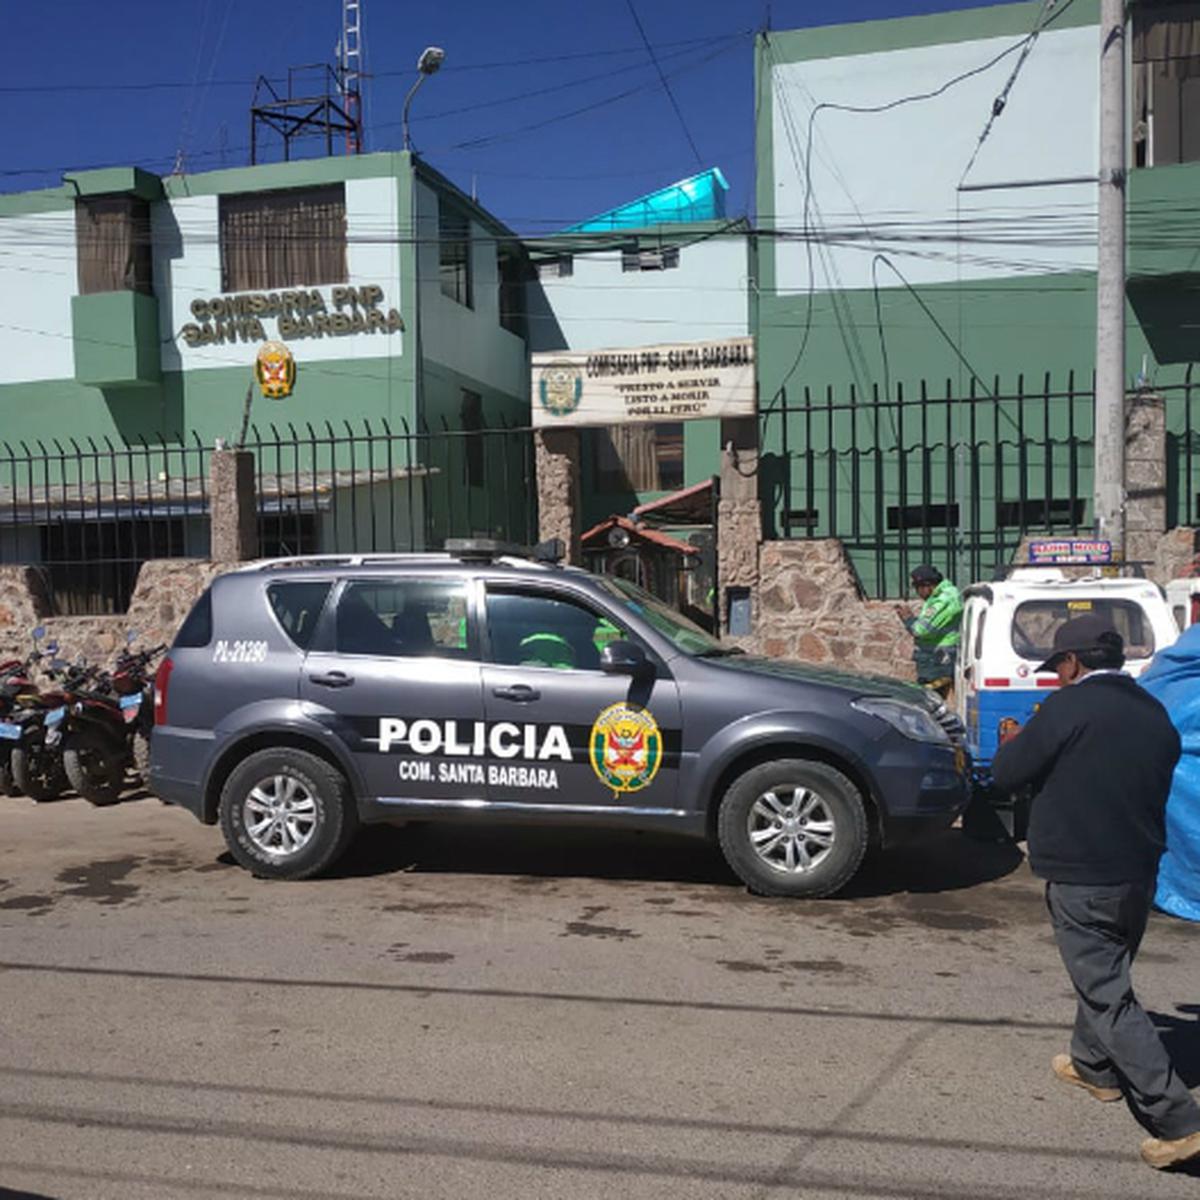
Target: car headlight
911	720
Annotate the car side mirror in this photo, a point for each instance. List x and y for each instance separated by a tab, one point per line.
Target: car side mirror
624	658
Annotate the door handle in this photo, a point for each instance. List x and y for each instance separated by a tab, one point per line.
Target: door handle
334	679
522	693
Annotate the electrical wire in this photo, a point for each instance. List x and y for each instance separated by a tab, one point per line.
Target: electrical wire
1001	101
663	79
719	45
450	68
803	158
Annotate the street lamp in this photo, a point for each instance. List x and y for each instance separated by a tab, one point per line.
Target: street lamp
431	59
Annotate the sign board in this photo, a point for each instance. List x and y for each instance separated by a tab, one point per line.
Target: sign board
300	313
684	381
1069	551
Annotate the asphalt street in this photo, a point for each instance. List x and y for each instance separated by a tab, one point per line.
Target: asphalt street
469	1012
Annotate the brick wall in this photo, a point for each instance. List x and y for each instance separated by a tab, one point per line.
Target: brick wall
810	607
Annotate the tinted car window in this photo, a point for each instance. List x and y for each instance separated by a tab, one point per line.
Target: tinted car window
540	630
404	618
1035	622
296	607
687	636
197	629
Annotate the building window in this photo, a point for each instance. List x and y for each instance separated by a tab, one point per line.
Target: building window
1034	513
1166	82
639	458
454	253
472	424
662	258
513	269
271	240
922	516
113	238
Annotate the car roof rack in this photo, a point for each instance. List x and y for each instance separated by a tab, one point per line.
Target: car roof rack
551	552
344	560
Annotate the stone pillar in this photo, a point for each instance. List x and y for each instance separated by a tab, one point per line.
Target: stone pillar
1145	476
232	507
557	466
739	516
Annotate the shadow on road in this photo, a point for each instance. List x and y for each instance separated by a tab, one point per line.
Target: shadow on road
944	862
10	1194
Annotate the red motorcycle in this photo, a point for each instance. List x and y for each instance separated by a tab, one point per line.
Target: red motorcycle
107	727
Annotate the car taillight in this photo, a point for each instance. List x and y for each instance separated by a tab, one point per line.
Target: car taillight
162	678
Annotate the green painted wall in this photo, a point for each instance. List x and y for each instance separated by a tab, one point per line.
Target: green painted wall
208	403
500	503
116	339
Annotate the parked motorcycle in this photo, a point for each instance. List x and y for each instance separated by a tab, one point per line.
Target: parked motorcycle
36	759
107	725
15	683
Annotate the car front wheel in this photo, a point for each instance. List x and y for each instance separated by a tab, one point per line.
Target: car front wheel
286	814
792	827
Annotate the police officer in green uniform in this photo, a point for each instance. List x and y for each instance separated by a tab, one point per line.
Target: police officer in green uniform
935	628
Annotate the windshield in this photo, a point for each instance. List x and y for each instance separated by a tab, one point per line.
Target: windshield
684	635
1036	621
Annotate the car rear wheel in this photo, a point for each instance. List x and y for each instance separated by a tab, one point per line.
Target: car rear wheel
286	814
792	827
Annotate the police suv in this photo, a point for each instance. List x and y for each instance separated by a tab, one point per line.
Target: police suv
305	698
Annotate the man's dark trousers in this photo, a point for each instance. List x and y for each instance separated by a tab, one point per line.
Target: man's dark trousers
1098	929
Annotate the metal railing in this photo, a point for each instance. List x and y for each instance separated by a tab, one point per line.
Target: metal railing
86	513
956	478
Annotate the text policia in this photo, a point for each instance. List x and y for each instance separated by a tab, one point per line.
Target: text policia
502	740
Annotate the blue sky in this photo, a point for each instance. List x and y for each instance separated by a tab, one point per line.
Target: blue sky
84	80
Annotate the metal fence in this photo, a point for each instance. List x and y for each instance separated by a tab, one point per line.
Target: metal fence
1183	450
951	477
88	513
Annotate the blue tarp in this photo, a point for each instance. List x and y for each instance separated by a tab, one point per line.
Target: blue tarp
1174	679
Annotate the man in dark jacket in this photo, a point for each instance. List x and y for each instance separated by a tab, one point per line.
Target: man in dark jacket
1099	754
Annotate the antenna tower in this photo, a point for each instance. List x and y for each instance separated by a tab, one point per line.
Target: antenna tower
350	72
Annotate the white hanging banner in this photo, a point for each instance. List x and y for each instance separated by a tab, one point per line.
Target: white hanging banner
684	381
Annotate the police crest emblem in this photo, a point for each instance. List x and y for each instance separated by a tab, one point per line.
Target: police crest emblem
560	387
625	748
275	370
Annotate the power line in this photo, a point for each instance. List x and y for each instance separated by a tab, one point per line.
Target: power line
1001	101
666	86
454	68
723	45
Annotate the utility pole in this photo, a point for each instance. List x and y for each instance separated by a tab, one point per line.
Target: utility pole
1109	467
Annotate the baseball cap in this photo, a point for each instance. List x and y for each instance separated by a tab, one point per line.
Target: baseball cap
1088	632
